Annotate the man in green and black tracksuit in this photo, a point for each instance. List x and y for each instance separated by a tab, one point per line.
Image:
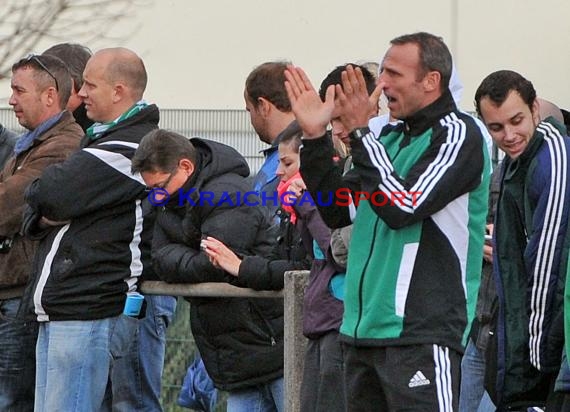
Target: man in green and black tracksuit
417	245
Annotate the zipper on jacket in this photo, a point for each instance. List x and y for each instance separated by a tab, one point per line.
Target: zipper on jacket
271	330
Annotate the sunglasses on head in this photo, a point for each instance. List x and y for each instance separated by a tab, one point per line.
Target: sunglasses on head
36	59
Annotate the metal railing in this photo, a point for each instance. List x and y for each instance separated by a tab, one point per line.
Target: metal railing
294	341
231	127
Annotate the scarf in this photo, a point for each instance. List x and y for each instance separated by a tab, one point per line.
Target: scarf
26	140
282	188
97	128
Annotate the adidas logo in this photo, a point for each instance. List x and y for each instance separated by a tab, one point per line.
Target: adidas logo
418	379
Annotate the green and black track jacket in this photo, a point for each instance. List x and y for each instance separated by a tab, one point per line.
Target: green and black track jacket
417	245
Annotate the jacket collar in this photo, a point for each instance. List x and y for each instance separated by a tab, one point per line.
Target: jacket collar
522	162
538	138
40	133
292	128
423	119
149	114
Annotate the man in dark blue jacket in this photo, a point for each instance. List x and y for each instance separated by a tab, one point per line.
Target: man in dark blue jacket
530	243
270	113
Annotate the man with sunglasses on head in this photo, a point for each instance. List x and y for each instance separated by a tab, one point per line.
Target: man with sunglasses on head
41	86
95	248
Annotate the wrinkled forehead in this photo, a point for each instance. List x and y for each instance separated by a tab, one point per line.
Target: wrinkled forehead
407	53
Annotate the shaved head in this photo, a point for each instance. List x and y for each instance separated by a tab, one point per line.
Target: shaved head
126	67
113	81
549	109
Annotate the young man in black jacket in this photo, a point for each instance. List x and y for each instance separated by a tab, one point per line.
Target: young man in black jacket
202	188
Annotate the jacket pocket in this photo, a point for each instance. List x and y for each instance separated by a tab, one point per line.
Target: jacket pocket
63	264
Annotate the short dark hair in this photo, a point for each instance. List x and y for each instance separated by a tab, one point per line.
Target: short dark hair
292	138
268	81
161	150
75	56
334	77
499	84
48	71
433	53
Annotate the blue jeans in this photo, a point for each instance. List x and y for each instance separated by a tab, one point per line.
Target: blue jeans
136	378
74	361
267	397
472	394
17	359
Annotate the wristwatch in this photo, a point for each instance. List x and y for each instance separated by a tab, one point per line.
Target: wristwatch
359	133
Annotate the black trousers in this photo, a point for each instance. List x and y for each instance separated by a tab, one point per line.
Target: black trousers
402	378
323	375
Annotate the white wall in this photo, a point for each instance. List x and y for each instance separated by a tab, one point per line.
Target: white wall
198	52
212	46
530	37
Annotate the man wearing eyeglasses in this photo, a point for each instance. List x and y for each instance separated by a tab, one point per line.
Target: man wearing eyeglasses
40	89
88	265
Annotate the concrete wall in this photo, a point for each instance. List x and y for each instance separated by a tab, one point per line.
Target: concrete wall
198	53
210	47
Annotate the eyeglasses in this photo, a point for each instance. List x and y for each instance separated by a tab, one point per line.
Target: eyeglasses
36	59
164	184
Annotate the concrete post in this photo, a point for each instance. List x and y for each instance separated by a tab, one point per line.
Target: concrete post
295	342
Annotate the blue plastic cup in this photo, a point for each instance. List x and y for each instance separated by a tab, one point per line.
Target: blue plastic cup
133	304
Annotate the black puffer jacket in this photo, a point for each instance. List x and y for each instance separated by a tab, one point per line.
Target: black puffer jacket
240	340
293	251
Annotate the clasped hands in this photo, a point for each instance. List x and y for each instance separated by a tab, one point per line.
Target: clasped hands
348	101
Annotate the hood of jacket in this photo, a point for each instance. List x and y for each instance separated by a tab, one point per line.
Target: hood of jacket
213	160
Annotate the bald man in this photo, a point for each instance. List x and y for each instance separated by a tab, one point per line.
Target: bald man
549	109
95	241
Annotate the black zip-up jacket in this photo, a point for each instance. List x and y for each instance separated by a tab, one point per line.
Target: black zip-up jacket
83	269
240	340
